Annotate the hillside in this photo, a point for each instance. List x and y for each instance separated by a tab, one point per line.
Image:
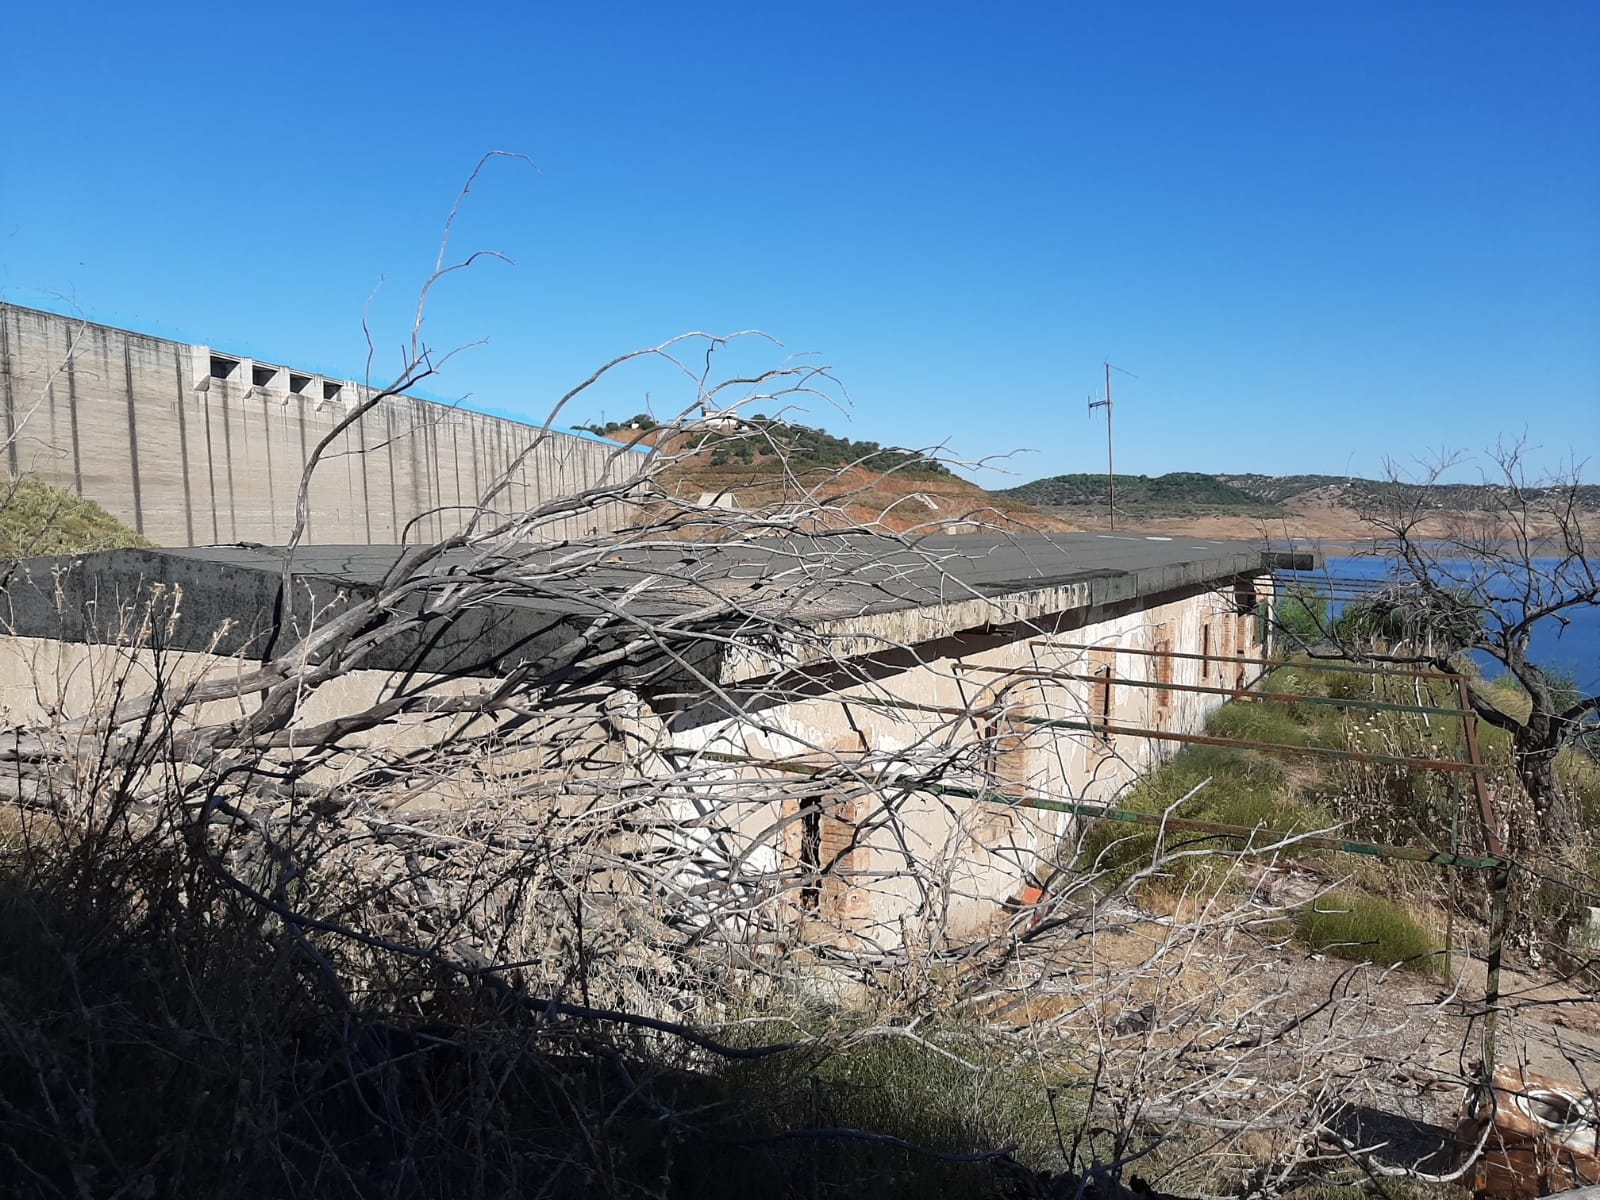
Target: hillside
1355	493
38	519
764	443
768	465
1252	505
1179	493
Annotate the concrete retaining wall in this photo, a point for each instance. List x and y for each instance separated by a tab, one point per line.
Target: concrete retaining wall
194	447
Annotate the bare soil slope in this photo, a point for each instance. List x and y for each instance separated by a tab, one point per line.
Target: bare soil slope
898	501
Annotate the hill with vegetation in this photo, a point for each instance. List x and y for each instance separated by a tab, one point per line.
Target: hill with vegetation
1244	505
1356	493
763	464
1177	493
766	442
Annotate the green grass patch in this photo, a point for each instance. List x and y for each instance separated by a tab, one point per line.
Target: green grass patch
1579	775
1260	721
1369	929
1389	1189
1295	679
1244	789
38	519
915	1091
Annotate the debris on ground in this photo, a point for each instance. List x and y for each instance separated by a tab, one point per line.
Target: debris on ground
1543	1136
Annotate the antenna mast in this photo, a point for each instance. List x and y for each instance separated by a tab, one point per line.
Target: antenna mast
1111	464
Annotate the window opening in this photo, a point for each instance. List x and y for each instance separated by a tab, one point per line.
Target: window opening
1164	695
811	856
828	856
1102	701
1003	741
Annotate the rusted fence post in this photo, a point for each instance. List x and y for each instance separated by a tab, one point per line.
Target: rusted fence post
1499	891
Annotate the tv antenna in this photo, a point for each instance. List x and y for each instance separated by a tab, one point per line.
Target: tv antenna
1111	462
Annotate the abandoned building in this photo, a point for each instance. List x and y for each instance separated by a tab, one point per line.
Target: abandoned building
1056	667
191	446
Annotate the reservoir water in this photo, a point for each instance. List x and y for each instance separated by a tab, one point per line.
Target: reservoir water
1574	649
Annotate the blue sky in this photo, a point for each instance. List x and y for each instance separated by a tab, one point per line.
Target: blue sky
1319	235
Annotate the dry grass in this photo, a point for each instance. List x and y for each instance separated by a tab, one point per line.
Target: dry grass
159	1038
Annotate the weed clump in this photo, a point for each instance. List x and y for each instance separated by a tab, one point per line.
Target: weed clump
1269	721
1235	788
38	519
1369	929
150	1006
958	1091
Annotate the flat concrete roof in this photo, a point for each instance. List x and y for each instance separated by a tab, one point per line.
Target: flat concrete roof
849	586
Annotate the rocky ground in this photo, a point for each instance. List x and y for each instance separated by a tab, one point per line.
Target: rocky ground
1238	1033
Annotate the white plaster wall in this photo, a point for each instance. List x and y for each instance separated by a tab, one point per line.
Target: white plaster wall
988	850
45	684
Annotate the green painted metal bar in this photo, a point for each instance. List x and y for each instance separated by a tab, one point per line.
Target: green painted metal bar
1201	739
1232	693
1308	663
1436	858
1161	735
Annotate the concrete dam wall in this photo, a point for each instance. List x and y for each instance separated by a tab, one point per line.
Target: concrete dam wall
194	447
